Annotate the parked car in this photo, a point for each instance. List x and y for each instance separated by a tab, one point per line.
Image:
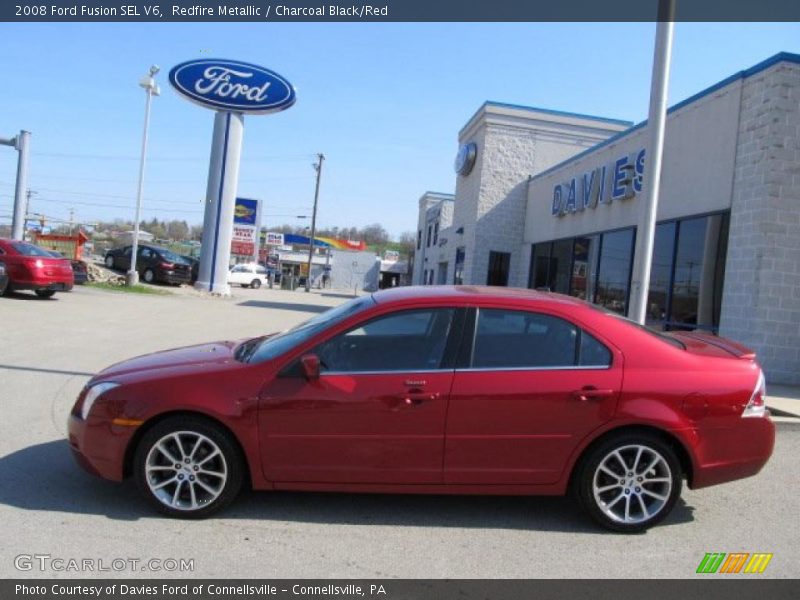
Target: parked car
80	271
194	263
153	263
3	278
446	389
248	275
32	268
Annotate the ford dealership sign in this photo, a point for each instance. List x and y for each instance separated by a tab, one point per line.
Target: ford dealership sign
232	86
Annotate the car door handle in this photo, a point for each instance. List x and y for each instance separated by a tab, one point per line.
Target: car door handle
414	398
590	392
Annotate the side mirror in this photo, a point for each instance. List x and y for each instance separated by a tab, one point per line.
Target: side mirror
310	364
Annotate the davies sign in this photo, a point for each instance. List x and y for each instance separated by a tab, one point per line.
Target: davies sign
620	180
232	85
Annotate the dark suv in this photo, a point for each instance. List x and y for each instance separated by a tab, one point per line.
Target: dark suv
153	264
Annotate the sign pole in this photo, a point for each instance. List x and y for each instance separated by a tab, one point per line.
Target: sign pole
645	233
19	216
223	176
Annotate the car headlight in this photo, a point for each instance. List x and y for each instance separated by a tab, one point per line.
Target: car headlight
93	394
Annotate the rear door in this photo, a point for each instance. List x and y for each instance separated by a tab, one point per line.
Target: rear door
530	386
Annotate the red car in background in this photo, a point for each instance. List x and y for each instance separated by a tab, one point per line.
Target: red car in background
32	268
462	390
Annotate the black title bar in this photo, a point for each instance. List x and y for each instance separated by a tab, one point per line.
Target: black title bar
395	10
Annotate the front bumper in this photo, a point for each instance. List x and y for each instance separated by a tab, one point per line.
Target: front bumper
99	447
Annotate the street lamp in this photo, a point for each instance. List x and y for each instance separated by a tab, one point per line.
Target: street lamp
151	89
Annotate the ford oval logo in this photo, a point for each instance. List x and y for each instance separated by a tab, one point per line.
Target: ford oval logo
232	85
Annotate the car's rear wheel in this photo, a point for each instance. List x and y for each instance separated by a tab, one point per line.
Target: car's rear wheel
45	293
255	284
149	275
629	482
188	467
110	262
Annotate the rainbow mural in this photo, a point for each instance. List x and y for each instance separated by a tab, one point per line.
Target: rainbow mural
324	242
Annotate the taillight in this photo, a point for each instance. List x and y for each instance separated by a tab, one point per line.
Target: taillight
167	265
756	407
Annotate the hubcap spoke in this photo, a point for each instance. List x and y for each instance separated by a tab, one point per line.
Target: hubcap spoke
163	449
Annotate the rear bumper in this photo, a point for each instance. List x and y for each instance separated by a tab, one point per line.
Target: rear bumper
727	454
36	284
174	277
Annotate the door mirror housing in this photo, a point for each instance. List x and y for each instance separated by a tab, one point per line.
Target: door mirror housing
310	363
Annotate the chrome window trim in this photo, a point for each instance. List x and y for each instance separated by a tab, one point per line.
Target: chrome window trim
409	372
566	368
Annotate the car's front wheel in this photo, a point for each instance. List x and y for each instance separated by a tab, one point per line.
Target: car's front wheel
629	482
188	467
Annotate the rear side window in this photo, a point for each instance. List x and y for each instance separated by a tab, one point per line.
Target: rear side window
521	339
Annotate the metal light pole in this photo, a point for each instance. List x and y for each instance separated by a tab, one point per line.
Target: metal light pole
20	143
318	167
151	89
645	233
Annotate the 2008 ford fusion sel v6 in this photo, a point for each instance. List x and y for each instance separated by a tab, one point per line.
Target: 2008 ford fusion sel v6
464	390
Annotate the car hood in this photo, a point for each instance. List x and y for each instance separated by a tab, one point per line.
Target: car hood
190	358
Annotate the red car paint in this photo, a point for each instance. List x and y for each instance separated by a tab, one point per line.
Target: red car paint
39	272
456	430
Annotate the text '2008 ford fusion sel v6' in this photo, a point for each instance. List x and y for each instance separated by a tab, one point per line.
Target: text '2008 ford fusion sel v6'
464	390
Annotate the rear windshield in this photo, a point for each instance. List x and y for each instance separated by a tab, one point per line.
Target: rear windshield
30	250
664	337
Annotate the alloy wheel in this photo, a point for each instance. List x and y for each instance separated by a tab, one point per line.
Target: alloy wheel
632	484
186	470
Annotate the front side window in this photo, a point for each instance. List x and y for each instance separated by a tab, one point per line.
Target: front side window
408	341
508	339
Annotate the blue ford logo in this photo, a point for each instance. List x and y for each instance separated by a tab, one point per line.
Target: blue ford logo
232	85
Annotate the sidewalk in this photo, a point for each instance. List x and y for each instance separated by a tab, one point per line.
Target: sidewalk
783	400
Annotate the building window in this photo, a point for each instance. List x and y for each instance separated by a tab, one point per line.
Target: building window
430	276
419	239
614	271
498	268
441	274
425	277
428	238
458	269
436	233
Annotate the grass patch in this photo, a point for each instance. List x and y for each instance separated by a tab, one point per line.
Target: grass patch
136	289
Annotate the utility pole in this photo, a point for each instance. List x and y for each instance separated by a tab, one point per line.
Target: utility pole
318	167
27	211
656	121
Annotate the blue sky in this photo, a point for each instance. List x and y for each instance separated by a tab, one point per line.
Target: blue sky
384	102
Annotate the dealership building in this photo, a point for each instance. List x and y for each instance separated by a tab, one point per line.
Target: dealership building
550	200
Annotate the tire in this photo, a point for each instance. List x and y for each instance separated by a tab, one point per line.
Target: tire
110	262
635	498
255	284
198	488
45	293
149	276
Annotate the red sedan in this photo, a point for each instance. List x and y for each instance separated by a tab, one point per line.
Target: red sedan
463	390
32	268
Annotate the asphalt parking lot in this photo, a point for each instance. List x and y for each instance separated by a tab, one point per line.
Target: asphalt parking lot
49	506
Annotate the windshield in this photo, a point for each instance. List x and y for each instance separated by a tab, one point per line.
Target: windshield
30	250
263	349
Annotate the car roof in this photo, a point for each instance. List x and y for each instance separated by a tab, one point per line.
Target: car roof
471	293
